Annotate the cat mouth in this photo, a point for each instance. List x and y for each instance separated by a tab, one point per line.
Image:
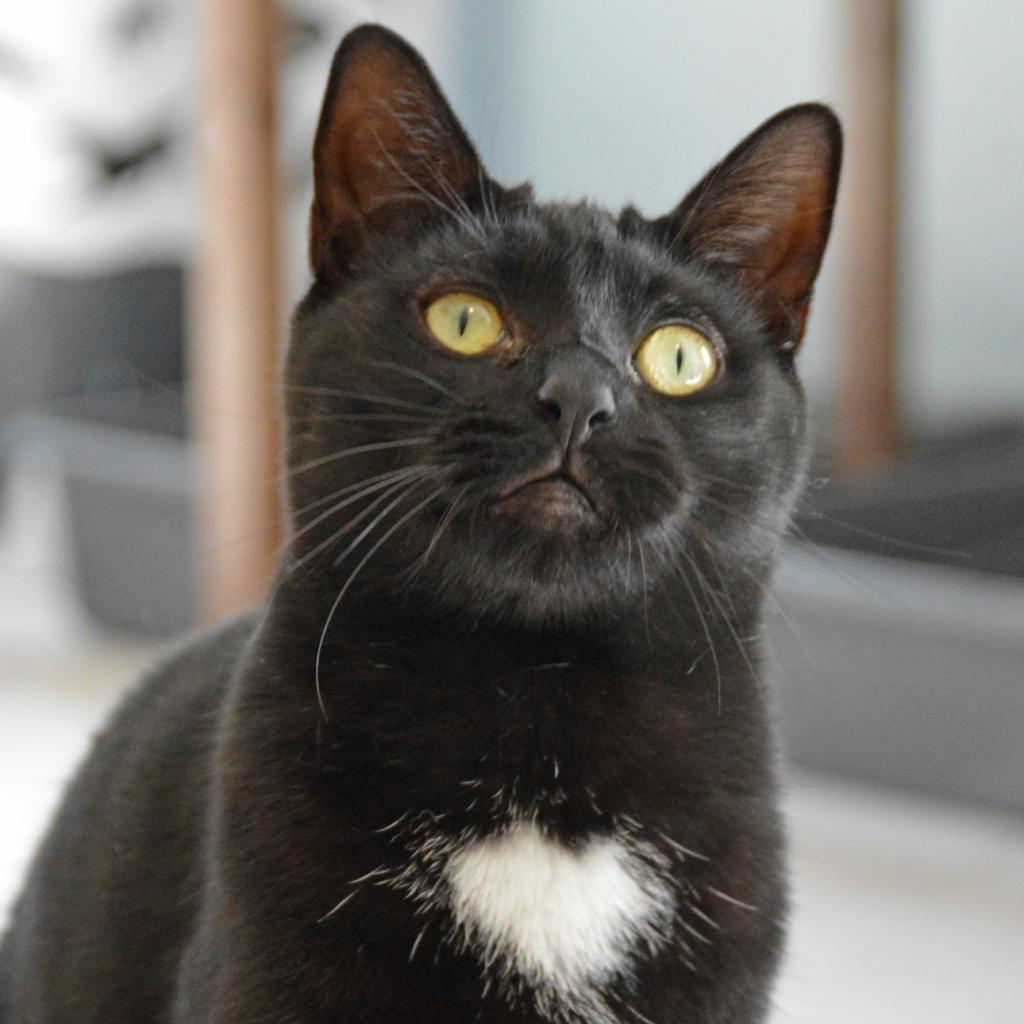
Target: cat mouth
555	499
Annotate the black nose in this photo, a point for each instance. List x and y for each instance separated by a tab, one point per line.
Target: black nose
576	399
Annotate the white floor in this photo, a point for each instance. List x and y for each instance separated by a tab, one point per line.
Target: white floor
906	912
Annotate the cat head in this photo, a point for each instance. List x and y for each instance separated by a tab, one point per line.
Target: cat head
542	411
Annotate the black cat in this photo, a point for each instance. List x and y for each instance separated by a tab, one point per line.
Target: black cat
497	748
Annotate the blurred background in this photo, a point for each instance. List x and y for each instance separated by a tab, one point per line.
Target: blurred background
153	199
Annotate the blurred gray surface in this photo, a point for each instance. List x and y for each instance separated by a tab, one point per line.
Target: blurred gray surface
130	508
902	673
63	336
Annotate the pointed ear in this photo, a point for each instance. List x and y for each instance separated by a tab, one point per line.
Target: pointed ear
388	147
765	212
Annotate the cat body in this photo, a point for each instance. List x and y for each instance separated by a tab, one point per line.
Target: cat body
496	749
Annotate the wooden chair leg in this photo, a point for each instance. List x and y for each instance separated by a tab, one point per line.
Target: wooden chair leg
236	321
867	424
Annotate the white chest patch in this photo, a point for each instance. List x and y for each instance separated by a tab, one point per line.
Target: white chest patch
565	921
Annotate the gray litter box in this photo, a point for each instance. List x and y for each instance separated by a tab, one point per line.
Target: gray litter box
905	660
130	497
901	672
70	336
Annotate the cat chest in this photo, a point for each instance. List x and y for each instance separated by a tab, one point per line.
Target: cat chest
564	921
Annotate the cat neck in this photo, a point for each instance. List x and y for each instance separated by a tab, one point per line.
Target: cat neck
403	634
581	723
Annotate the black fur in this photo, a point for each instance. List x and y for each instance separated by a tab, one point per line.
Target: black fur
466	657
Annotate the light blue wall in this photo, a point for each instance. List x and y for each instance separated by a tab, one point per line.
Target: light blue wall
632	101
963	201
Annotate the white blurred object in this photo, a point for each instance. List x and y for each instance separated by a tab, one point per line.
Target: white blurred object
87	86
98	100
40	611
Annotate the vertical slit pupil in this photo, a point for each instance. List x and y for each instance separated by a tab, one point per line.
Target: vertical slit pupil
463	320
679	359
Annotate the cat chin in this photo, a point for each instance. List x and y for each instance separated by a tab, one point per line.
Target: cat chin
551	506
558	574
554	498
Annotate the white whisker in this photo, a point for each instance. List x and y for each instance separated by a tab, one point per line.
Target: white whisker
354	522
387	474
376	446
707	633
361	396
417	375
740	646
419	939
338	906
369	489
355	572
731	899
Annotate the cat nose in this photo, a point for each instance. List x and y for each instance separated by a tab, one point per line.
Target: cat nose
576	401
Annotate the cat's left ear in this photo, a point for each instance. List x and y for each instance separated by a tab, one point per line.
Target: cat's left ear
388	148
764	213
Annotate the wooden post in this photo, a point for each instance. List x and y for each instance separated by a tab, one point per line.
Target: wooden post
867	426
236	312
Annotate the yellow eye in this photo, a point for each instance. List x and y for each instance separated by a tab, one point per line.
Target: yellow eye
464	323
677	360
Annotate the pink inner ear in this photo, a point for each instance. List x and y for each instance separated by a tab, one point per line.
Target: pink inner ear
386	138
766	211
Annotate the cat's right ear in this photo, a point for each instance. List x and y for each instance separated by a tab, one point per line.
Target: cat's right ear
388	148
764	214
